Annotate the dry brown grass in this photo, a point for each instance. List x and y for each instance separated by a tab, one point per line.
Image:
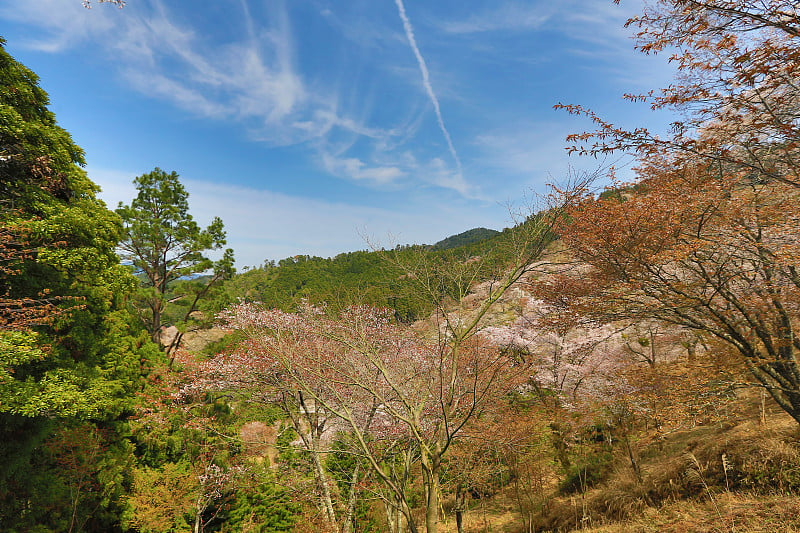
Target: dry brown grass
741	476
731	512
738	477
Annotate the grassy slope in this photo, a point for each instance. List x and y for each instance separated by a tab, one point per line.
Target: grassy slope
684	487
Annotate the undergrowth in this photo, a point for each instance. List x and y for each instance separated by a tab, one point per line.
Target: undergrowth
742	477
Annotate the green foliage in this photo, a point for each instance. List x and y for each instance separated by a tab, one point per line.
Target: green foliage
265	508
591	470
341	463
75	481
288	454
38	156
89	364
466	238
71	357
164	244
375	278
226	344
162	499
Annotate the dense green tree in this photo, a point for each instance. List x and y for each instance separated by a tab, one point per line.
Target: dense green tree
72	361
164	244
69	354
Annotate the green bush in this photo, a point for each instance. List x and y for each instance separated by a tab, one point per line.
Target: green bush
588	473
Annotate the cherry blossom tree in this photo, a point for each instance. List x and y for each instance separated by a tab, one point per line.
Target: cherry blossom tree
392	387
384	382
571	362
715	256
294	382
706	239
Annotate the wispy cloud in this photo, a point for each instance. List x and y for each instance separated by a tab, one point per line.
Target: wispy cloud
63	24
255	79
509	16
427	82
255	69
356	169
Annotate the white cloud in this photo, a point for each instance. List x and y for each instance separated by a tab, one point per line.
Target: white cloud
253	80
187	98
256	81
355	169
64	23
438	173
508	16
426	82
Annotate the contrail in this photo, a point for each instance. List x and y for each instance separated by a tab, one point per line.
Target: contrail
426	81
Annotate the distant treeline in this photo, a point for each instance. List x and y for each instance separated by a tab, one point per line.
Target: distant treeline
361	277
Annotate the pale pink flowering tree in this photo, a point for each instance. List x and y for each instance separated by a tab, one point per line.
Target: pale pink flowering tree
387	385
571	362
216	484
577	367
254	372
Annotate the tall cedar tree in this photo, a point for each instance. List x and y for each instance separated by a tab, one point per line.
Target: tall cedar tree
164	244
67	352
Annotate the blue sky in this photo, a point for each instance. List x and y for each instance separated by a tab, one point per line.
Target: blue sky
309	126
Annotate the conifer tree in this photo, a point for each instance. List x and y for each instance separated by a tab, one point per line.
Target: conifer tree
165	244
68	352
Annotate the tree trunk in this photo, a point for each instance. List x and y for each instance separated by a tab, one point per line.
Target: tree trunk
395	516
430	476
156	333
560	444
461	498
632	457
325	490
347	526
198	519
392	518
311	440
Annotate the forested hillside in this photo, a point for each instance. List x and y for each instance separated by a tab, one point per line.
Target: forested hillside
466	238
365	277
623	359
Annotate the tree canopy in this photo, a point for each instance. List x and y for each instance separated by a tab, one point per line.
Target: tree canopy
164	244
70	358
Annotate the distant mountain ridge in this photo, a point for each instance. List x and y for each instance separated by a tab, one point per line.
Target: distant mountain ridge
466	238
360	277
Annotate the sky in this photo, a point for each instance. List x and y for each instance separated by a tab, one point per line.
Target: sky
325	126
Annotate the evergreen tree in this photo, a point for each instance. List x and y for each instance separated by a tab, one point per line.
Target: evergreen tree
165	244
68	351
